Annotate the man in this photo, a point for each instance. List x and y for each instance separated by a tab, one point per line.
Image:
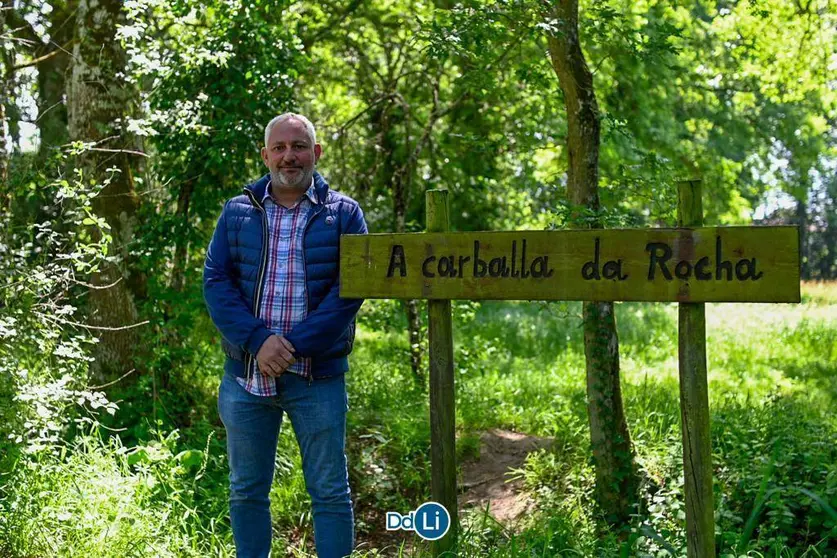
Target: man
272	289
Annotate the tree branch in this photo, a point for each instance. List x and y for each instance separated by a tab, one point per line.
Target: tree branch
18	23
37	61
332	25
117	380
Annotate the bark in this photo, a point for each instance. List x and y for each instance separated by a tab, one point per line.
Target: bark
52	72
391	176
98	98
9	113
4	155
616	479
828	263
181	246
399	198
22	30
4	150
52	62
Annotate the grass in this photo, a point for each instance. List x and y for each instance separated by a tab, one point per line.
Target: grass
772	379
773	385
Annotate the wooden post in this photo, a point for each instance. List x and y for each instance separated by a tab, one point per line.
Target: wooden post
442	401
694	400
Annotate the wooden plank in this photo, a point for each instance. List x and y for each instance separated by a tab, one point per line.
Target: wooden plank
694	401
442	389
720	264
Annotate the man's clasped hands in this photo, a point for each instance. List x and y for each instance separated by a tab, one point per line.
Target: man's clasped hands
275	356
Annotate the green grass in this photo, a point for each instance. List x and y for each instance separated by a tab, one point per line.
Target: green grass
97	498
773	388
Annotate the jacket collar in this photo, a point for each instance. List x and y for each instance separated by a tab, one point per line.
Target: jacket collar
258	189
310	193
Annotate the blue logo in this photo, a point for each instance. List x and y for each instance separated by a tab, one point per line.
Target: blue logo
430	521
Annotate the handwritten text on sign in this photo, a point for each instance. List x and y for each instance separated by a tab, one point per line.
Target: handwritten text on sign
753	264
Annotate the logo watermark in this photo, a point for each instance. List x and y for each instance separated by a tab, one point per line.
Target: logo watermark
430	521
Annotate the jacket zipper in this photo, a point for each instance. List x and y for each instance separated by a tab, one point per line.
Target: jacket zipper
317	211
263	265
257	296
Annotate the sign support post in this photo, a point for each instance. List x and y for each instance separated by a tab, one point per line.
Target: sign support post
442	394
690	264
694	399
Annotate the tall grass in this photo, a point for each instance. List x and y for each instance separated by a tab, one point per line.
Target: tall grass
95	497
772	389
520	366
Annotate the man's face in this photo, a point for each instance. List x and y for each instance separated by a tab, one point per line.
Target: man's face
289	155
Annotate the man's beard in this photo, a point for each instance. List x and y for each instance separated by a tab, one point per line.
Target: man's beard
302	179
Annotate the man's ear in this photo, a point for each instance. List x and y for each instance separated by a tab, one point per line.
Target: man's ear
318	150
264	157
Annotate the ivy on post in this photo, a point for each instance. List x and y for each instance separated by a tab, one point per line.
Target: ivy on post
694	399
442	400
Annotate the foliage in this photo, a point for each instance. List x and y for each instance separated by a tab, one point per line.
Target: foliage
44	356
773	414
43	360
212	76
98	498
411	95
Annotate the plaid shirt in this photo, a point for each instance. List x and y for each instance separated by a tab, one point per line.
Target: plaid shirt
283	303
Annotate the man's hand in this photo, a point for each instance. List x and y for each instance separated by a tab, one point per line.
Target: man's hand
275	355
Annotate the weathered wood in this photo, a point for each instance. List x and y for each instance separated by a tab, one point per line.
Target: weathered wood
694	401
756	264
442	400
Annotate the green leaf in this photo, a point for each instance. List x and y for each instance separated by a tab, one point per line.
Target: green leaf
191	459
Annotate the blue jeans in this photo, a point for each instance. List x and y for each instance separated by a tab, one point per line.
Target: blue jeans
318	416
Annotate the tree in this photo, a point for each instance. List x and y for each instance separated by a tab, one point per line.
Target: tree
406	109
616	480
722	91
48	41
4	92
383	43
99	100
211	75
53	62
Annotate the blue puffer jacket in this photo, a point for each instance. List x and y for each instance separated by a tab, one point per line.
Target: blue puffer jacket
233	280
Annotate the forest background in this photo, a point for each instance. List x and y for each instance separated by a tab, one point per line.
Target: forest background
125	126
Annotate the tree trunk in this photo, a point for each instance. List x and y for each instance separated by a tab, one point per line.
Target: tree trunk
4	150
52	73
10	110
4	155
828	266
399	196
98	99
181	239
616	478
382	119
10	114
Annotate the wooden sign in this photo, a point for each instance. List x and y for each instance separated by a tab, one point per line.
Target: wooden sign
708	264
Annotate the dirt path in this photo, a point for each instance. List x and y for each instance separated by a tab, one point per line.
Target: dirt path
485	480
484	483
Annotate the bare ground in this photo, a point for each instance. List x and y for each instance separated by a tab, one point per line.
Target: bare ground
484	484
